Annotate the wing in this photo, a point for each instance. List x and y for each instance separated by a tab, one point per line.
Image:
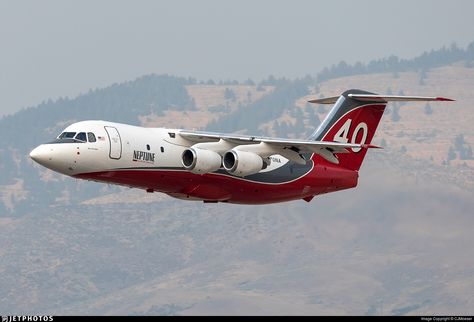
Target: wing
264	146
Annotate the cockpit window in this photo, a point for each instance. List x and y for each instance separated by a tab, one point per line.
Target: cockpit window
67	135
91	137
81	137
74	137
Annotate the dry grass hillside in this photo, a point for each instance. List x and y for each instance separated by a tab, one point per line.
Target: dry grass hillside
210	103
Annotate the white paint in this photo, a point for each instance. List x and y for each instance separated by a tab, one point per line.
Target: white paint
343	132
361	126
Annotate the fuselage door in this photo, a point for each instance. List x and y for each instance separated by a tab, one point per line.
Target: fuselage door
115	142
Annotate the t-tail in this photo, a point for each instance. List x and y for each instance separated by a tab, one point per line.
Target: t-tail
354	119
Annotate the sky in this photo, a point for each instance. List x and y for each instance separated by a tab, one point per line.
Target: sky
52	49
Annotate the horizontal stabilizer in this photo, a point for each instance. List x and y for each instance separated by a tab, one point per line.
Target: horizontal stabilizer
395	98
326	100
380	98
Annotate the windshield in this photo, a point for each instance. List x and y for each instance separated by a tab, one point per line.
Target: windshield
67	135
81	137
74	137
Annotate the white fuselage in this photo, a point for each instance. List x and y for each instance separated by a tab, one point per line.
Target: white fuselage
117	146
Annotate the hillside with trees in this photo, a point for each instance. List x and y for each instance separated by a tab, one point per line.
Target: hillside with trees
393	64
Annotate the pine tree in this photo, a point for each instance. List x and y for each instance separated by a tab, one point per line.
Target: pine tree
249	82
229	94
249	96
313	119
468	153
299	125
459	142
451	154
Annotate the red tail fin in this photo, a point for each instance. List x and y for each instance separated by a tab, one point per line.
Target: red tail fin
356	126
354	119
351	121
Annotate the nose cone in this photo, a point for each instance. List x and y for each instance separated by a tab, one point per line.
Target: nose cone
40	154
54	157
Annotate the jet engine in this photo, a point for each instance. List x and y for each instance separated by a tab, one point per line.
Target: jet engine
201	161
242	163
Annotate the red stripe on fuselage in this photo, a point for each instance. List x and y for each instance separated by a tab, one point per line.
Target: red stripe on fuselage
323	178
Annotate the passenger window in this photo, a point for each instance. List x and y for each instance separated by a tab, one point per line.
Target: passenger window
91	137
81	137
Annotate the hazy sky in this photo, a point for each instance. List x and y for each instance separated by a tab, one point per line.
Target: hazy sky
62	48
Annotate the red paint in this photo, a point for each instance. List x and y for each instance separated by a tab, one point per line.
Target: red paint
444	99
324	177
370	115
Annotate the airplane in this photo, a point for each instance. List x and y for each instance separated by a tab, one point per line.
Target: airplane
232	168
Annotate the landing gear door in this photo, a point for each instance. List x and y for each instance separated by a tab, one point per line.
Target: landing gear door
115	142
